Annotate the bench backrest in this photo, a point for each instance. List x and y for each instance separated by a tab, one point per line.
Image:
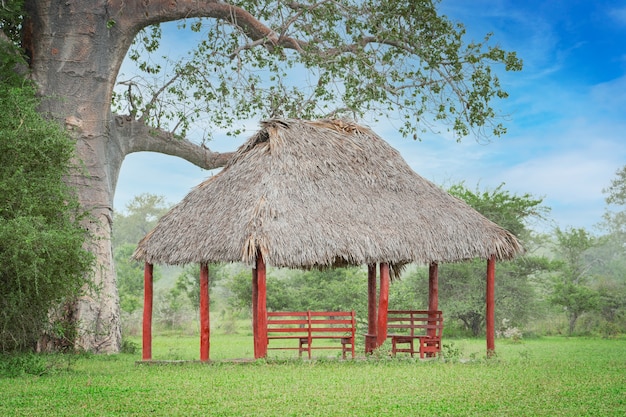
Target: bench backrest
288	322
415	322
304	322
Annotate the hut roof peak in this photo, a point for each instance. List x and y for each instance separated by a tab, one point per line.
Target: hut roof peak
340	125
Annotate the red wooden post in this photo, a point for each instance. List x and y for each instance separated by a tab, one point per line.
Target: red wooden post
383	304
433	291
255	303
371	338
491	306
261	319
205	326
433	287
146	351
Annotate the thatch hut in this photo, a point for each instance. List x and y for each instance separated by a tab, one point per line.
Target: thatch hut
325	193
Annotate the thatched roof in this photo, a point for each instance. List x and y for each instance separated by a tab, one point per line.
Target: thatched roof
321	193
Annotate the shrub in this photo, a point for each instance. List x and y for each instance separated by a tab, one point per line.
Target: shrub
16	365
42	244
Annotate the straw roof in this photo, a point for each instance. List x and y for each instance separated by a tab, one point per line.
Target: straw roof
316	194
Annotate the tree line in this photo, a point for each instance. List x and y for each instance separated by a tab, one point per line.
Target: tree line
569	281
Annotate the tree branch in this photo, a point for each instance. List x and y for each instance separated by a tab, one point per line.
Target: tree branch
139	137
152	103
136	15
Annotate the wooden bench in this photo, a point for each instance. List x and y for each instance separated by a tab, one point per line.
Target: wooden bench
405	327
307	327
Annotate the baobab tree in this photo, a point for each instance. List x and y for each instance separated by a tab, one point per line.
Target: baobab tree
360	59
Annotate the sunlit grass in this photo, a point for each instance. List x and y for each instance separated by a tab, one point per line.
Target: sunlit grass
542	377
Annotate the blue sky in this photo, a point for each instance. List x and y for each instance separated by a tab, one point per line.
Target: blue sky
566	114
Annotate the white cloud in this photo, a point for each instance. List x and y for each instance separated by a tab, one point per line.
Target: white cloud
619	15
571	178
610	97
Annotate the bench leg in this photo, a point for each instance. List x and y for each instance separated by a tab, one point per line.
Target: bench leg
394	346
347	345
429	347
304	341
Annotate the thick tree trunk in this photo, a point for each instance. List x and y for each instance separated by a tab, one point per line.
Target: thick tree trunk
76	49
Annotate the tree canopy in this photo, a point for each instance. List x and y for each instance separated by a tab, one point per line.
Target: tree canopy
571	288
510	211
140	216
462	286
356	59
616	192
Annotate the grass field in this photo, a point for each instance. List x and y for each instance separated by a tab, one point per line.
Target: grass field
542	377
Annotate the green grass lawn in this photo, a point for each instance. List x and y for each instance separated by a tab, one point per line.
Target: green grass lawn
542	377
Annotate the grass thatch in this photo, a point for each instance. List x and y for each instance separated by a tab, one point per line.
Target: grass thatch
321	193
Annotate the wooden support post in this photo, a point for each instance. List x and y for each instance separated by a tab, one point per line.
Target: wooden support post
146	351
433	292
255	312
205	323
261	319
370	337
383	304
491	306
433	287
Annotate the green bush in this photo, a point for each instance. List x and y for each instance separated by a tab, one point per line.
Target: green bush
42	244
130	347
